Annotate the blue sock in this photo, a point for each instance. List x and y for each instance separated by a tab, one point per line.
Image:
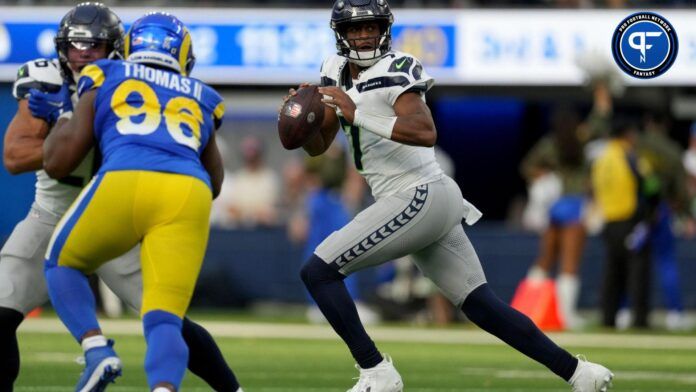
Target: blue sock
167	353
72	299
327	288
496	317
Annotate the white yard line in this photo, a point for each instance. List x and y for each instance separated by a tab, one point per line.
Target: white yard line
383	334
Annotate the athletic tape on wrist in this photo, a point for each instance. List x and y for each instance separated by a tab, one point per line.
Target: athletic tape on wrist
379	125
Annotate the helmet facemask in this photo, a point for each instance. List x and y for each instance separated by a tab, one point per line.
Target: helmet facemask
83	27
379	44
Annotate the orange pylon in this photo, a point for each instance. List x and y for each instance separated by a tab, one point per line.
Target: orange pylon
537	299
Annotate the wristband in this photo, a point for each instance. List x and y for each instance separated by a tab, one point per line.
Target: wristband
379	125
67	115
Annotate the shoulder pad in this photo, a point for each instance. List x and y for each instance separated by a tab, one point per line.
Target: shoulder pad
331	68
41	74
401	64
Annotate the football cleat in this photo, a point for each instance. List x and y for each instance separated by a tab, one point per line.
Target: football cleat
590	377
381	378
102	366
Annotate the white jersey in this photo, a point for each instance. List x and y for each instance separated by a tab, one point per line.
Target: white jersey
388	166
52	195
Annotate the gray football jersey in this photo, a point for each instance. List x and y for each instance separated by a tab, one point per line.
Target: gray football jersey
52	195
388	166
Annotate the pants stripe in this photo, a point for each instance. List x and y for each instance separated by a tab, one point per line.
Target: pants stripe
384	232
66	224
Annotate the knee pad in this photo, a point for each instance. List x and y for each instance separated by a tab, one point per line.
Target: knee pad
315	270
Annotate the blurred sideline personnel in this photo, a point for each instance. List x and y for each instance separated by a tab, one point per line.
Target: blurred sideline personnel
88	32
664	156
378	97
161	168
620	188
560	156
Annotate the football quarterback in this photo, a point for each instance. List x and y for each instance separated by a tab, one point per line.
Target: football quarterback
376	95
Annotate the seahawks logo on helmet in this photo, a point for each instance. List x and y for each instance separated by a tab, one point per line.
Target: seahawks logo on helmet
348	12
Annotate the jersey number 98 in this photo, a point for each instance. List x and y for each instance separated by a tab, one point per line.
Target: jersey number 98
178	111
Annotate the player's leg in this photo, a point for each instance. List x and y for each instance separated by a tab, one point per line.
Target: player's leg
96	228
175	223
665	254
9	361
614	280
548	251
454	267
572	242
452	264
568	282
124	278
205	358
392	227
639	283
22	285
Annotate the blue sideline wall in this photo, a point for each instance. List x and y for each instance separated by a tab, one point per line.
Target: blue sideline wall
243	266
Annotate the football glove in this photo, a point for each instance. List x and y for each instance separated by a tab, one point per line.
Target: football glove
49	106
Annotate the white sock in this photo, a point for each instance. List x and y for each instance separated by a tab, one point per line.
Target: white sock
568	289
537	273
161	389
93	341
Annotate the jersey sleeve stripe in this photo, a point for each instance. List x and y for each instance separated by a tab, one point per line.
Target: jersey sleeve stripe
91	77
219	111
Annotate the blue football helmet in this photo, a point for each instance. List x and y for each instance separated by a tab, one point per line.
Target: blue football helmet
160	39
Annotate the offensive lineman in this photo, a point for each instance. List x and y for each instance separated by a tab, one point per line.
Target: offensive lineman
377	96
88	32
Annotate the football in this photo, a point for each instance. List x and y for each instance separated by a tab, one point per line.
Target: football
300	117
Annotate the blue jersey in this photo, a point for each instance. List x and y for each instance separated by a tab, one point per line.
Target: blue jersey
150	119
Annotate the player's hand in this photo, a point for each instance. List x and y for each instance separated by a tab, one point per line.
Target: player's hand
49	106
335	97
292	92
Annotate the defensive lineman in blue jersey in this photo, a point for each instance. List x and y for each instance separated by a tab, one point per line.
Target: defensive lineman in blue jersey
139	107
161	168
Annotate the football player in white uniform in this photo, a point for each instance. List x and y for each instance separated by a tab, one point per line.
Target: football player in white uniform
88	32
377	96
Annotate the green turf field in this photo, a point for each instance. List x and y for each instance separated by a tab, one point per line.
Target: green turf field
429	360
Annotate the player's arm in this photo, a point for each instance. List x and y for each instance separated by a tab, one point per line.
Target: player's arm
327	133
70	140
212	161
23	143
412	123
